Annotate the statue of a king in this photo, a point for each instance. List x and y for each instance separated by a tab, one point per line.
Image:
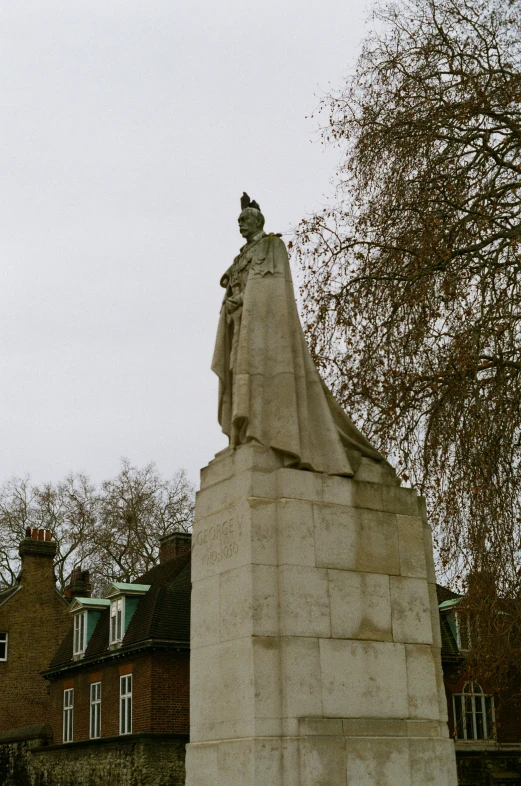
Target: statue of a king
270	391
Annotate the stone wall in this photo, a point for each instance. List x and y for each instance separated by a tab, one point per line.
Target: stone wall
136	760
488	768
15	753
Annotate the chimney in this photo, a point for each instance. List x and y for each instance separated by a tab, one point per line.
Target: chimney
174	545
79	585
37	551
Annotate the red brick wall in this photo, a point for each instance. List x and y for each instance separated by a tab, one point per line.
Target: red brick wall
36	619
171	693
507	712
174	545
160	701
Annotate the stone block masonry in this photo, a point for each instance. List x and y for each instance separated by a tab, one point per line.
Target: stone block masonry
315	650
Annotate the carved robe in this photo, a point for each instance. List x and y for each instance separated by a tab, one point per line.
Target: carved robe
269	388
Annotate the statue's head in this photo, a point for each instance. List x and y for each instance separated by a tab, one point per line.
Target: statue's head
251	220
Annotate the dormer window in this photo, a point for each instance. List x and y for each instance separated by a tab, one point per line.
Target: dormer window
117	608
463	635
124	599
86	615
80	634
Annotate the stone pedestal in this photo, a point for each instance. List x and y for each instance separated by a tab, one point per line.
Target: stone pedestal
315	655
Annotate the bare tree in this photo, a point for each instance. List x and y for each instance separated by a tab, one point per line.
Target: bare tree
16	513
136	509
412	289
114	530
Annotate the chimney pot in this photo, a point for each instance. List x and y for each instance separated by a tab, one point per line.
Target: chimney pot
37	558
79	585
174	545
48	534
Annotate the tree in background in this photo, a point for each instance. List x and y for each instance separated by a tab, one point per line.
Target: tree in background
113	530
411	280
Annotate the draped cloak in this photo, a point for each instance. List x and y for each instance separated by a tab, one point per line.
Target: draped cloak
269	388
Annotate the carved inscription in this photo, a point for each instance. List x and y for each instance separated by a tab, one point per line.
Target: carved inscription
219	541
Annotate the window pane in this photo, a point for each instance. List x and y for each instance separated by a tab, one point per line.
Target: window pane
467	717
463	631
3	646
68	703
459	717
489	711
125	717
474	714
95	709
480	732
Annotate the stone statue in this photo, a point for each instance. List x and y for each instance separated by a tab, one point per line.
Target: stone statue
270	391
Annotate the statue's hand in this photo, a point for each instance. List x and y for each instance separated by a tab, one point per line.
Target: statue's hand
233	303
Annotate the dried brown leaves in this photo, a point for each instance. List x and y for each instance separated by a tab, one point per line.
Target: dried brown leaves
412	289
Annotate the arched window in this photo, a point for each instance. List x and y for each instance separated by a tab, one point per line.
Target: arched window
473	713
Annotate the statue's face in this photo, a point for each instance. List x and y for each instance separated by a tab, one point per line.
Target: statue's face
249	224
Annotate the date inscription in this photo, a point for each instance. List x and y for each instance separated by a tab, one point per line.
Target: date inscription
220	541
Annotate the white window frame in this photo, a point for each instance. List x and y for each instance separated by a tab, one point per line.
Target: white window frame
463	633
117	620
68	714
95	710
473	702
4	639
80	634
125	704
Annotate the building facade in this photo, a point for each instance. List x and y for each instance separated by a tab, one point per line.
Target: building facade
34	617
119	681
486	726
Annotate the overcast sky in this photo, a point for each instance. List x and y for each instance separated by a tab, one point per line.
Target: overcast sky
129	131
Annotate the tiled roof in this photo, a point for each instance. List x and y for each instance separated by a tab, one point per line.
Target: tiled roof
6	594
64	651
163	613
444	593
448	639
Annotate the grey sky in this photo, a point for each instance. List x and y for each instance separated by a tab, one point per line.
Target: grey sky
129	131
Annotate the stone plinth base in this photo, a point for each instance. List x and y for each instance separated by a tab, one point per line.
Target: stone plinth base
315	654
324	760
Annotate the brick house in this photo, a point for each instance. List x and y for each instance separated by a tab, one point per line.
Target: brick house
34	617
118	699
486	727
120	677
